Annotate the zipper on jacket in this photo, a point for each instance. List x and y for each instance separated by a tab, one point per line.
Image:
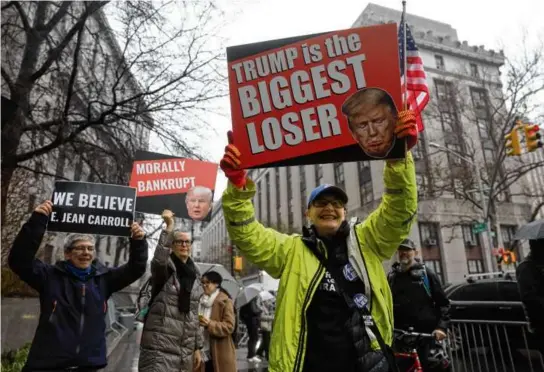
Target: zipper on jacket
313	284
81	318
53	311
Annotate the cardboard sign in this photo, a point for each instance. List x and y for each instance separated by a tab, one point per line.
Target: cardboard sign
184	186
317	98
92	208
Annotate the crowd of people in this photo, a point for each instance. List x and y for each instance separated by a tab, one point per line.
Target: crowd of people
336	308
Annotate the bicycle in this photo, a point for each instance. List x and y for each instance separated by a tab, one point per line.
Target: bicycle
409	341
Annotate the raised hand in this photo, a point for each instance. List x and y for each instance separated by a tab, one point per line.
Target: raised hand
407	127
137	233
45	208
168	218
230	164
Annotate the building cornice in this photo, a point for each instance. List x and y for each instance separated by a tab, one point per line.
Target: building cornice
459	49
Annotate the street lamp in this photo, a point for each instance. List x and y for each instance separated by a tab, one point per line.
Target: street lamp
482	196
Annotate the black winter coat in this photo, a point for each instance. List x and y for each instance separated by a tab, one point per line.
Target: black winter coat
412	305
530	276
71	327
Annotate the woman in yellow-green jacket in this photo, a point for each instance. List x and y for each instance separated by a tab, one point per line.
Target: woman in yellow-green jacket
317	325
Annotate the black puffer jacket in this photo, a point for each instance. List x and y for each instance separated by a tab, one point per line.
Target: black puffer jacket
412	305
530	276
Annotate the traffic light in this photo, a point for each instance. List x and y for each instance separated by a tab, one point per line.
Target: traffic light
238	263
532	137
513	147
509	257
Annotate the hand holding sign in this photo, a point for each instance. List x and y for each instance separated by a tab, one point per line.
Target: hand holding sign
230	164
407	127
45	208
137	233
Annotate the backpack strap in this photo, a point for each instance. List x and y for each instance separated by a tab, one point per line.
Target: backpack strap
426	282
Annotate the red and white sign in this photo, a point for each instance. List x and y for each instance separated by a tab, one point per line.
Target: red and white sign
287	96
184	186
171	176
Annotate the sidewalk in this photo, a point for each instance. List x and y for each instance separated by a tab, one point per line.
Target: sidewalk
125	357
244	366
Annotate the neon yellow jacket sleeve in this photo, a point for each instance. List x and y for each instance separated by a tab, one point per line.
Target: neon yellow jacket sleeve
391	222
265	247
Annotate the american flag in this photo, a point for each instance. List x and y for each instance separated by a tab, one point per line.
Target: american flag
418	90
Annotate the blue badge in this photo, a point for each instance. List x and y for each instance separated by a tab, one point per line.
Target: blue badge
360	300
349	272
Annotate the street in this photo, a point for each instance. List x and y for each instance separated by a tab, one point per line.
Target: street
125	357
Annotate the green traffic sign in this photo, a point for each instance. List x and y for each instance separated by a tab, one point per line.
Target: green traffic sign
479	227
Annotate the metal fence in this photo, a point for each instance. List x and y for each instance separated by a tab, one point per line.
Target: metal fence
480	345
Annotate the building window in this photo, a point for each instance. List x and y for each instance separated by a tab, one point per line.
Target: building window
290	218
444	91
302	172
483	128
339	174
507	234
479	98
469	238
267	201
428	233
365	182
439	60
474	70
475	266
318	169
436	266
452	159
449	121
418	151
421	184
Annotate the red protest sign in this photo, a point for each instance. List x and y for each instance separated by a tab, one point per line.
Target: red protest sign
290	98
164	182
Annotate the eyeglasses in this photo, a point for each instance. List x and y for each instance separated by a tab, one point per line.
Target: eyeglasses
322	203
83	248
182	242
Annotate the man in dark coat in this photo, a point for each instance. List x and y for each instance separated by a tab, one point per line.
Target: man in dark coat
418	298
73	295
530	276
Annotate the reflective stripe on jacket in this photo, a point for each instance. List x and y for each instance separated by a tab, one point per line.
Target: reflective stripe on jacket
285	257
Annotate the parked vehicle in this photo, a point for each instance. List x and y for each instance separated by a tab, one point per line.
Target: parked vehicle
492	298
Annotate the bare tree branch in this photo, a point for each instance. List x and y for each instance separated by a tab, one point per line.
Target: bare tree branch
24	18
57	17
8	80
55	53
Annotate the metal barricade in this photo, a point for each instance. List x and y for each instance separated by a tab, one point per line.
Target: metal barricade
505	346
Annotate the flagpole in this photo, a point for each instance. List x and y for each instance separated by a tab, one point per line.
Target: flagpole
405	62
405	59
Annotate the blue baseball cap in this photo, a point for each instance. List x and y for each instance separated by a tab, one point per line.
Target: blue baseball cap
329	189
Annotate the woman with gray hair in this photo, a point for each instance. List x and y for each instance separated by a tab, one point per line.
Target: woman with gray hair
73	295
171	338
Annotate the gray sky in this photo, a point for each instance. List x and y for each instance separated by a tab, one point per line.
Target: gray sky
494	24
